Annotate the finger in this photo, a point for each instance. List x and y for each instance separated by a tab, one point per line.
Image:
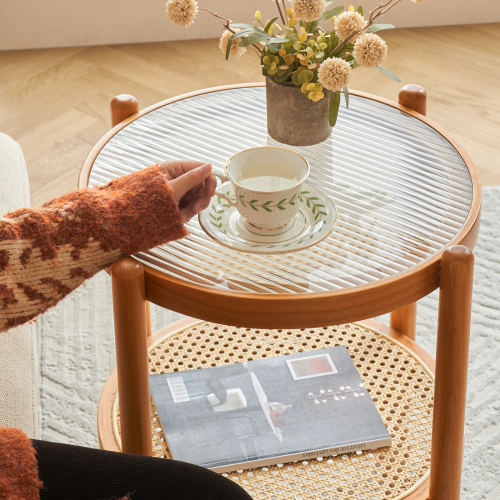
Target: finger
188	212
176	168
201	203
195	207
210	186
194	177
201	190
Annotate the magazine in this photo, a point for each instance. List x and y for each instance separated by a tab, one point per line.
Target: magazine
269	411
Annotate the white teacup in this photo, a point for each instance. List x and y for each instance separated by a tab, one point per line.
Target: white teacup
267	183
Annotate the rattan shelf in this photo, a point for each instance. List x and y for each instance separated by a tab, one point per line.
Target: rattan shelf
398	375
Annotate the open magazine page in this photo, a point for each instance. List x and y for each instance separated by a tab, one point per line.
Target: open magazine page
268	411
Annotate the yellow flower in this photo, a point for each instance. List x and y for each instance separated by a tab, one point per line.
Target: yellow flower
235	50
258	15
348	23
182	12
370	50
334	74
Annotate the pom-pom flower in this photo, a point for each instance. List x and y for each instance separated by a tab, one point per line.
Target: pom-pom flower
235	50
347	23
370	50
182	12
334	74
308	10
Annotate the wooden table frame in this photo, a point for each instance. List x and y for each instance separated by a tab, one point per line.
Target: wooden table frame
451	269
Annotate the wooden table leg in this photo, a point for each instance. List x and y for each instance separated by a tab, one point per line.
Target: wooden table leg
404	320
129	307
455	302
148	319
122	107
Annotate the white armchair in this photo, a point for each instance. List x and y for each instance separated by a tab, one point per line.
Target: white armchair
18	349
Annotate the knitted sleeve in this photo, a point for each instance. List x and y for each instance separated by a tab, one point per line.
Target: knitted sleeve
47	252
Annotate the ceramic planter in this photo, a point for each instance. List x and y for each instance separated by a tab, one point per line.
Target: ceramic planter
294	119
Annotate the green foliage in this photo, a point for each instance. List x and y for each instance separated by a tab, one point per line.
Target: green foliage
386	72
330	13
346	96
243	26
333	108
294	57
269	24
377	27
305	76
240	34
255	38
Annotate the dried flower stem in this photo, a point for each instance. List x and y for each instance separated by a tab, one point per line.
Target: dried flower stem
253	46
390	7
220	17
279	10
373	15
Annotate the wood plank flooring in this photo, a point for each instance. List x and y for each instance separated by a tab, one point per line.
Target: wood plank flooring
55	102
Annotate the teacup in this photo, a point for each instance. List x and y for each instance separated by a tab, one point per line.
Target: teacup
267	182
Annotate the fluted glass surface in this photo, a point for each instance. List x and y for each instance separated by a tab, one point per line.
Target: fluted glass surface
402	191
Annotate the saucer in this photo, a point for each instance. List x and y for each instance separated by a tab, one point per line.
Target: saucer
315	220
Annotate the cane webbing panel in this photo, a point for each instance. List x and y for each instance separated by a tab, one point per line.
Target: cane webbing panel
402	191
401	387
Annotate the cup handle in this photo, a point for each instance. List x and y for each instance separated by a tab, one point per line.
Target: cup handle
219	193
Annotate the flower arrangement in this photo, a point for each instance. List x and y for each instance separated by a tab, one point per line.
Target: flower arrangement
298	51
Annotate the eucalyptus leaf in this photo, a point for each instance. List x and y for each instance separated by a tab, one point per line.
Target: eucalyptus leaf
387	73
281	78
273	48
239	34
305	76
333	108
273	41
257	37
244	25
346	96
269	24
377	27
330	13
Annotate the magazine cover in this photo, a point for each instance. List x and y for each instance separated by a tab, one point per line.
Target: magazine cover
269	411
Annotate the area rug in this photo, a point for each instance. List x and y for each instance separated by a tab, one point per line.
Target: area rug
76	343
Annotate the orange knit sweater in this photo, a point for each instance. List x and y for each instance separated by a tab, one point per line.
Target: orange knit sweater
47	252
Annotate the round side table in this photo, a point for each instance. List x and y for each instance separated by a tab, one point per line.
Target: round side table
407	195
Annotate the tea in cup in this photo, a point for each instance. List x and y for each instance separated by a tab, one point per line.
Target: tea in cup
267	182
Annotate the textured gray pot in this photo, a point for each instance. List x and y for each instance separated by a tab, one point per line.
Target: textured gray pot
294	119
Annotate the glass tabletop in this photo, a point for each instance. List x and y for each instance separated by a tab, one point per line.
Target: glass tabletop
402	191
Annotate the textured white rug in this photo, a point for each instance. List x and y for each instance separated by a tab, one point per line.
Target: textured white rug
76	342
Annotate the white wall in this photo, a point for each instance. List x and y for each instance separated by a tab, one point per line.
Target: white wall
28	24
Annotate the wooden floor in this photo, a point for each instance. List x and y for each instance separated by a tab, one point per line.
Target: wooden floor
55	102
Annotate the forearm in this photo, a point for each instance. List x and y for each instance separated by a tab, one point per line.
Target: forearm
46	253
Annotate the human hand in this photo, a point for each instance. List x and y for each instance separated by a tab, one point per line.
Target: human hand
192	184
